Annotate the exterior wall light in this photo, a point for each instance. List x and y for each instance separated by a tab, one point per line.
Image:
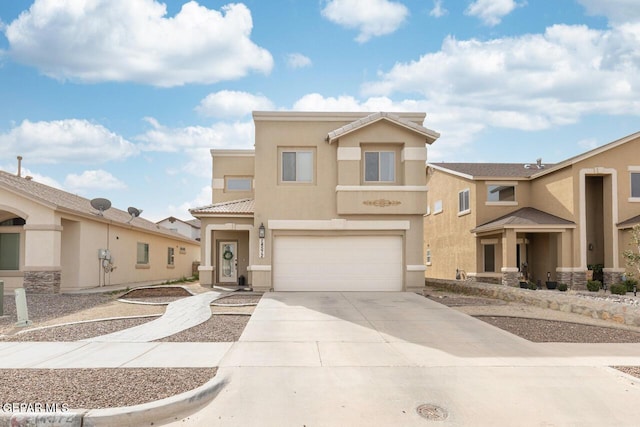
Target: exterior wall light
261	231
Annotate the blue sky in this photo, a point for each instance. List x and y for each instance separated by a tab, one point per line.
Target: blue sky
124	98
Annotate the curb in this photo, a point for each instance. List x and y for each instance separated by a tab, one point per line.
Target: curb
150	413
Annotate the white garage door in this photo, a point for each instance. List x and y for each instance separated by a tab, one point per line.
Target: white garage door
349	263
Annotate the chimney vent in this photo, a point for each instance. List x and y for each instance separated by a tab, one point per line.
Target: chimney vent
19	166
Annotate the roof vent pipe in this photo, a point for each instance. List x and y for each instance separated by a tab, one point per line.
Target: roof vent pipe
19	166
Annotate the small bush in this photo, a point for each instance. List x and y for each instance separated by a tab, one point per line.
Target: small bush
630	283
594	285
533	286
562	287
618	289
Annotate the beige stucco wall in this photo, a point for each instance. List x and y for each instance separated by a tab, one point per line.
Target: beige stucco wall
446	234
55	241
231	164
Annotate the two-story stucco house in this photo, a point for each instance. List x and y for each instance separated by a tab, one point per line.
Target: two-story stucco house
325	202
496	222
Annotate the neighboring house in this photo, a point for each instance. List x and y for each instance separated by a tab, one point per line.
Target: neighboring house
54	241
190	229
502	222
326	201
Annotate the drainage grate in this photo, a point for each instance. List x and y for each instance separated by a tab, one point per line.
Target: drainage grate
432	412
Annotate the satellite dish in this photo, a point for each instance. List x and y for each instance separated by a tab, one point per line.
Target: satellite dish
134	212
100	204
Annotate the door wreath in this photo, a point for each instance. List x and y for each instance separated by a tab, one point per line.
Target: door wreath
227	255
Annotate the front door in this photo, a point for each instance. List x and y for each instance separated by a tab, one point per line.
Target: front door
228	262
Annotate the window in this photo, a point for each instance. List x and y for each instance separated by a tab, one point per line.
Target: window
10	251
238	184
489	258
428	257
501	193
635	184
297	166
142	253
170	256
379	166
463	202
437	207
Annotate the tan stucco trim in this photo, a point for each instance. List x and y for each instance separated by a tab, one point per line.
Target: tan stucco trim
337	224
217	183
43	227
316	116
349	153
42	268
583	212
417	267
232	153
413	153
14	211
411	188
259	268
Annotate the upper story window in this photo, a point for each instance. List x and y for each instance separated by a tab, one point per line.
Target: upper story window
464	206
437	207
501	193
170	256
297	166
243	183
379	166
635	185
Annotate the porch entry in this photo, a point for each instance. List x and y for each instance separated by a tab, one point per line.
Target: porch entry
228	262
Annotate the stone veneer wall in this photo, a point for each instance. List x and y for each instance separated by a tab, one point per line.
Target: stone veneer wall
612	277
42	282
553	300
565	277
510	278
579	280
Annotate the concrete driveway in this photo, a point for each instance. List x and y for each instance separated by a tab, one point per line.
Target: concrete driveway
326	359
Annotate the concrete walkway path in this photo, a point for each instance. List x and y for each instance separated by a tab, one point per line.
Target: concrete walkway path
374	358
182	314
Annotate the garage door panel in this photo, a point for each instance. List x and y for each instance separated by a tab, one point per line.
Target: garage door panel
349	263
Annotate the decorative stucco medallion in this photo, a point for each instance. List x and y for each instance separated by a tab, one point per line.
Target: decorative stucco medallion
382	203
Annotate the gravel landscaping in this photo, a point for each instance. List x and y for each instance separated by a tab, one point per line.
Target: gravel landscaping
219	328
98	388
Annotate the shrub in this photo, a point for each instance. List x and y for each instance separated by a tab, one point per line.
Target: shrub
594	285
562	287
630	283
533	286
618	289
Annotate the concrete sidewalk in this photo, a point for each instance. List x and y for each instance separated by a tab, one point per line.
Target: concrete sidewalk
374	358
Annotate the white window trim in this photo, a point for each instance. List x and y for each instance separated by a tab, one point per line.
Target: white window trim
632	170
364	167
514	184
468	210
428	257
297	150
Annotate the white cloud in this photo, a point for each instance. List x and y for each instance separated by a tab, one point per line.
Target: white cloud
298	60
232	104
371	18
197	141
530	82
70	140
203	198
491	12
438	10
134	41
617	11
92	180
588	144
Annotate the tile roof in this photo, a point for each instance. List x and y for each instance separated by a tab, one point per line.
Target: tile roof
524	217
492	170
242	206
371	118
62	200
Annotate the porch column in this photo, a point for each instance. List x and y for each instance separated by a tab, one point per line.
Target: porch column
564	270
42	258
205	270
509	268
